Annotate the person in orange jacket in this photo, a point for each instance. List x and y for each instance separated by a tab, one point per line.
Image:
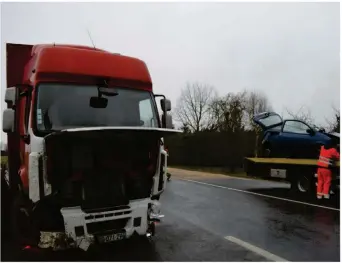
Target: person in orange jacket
327	156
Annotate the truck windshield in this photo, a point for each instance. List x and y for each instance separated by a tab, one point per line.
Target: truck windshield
62	106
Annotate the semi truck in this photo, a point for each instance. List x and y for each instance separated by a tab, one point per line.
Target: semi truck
86	160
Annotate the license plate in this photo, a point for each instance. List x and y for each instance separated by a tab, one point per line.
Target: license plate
278	173
112	237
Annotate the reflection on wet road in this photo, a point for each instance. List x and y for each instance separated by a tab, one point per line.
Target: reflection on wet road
206	223
294	231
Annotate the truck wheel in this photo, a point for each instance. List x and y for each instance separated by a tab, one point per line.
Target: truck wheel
303	185
22	230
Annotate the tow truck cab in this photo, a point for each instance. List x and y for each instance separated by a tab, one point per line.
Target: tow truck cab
85	148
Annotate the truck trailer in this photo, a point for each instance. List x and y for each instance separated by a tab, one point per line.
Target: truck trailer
86	160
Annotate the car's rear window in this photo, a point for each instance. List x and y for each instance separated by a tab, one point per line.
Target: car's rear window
271	120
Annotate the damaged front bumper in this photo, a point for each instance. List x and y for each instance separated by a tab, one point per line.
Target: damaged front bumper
84	229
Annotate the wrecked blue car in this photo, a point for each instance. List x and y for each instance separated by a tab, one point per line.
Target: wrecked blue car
291	138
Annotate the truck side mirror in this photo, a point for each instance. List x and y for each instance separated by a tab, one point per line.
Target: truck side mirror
167	121
8	118
165	105
10	95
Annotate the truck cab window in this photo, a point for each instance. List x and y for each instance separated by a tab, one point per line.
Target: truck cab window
146	113
62	106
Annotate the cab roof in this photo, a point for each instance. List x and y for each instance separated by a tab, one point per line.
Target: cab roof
74	61
80	60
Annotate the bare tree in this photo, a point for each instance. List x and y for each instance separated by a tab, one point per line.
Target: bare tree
227	113
303	114
185	128
256	102
193	106
334	125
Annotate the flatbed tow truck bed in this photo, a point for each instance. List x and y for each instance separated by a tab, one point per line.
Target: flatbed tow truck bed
286	161
301	173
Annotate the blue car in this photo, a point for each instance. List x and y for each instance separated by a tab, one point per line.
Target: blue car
291	138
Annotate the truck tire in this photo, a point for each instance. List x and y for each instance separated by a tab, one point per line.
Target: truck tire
22	230
303	185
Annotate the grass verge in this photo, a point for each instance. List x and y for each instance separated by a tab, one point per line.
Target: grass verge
224	171
213	170
3	160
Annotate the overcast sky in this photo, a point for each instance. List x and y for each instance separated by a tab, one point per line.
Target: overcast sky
290	51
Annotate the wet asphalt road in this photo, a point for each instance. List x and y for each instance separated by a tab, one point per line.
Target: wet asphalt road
199	216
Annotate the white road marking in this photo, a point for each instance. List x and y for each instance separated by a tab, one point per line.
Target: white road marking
269	196
257	250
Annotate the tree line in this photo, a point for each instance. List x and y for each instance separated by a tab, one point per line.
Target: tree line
199	108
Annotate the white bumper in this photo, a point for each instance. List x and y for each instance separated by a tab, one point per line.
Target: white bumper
75	218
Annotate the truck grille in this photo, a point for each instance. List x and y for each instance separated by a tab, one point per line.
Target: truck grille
104	226
104	190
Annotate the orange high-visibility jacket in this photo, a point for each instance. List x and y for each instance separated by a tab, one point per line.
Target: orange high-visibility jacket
327	157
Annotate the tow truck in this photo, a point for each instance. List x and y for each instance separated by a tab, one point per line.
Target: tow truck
290	149
300	173
86	160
